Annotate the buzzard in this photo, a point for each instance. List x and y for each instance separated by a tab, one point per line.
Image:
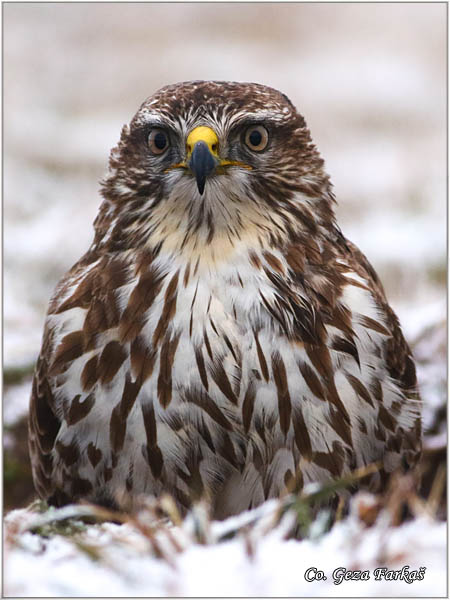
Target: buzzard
221	338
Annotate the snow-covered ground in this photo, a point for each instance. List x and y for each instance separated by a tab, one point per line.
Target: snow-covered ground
127	560
370	80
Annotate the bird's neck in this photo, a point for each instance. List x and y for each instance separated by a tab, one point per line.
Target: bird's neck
215	231
210	232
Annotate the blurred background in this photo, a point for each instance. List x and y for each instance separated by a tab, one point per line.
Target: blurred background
370	80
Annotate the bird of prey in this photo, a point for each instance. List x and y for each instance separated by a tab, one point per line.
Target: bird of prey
221	338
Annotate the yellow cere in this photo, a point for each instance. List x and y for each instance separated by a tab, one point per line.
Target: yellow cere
203	134
209	136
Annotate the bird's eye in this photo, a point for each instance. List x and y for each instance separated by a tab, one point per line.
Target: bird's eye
256	138
158	141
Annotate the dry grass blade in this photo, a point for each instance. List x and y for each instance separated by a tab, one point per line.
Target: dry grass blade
157	547
437	491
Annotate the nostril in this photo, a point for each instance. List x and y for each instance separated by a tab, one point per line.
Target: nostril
189	148
214	147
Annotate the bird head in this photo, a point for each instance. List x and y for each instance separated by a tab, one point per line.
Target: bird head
214	155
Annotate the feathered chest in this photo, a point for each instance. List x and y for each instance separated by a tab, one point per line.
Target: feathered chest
204	324
181	366
166	325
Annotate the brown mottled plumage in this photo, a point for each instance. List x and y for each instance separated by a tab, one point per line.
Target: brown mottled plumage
220	338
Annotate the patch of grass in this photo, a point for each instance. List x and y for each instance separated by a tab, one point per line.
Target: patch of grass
14	375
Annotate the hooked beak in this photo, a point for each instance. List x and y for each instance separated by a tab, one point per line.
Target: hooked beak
202	157
202	163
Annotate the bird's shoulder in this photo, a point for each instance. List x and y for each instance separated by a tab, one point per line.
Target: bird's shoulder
346	293
398	354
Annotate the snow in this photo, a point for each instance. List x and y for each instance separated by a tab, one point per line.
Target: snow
258	561
15	402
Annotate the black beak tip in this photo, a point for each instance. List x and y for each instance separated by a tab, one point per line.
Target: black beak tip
202	164
201	185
